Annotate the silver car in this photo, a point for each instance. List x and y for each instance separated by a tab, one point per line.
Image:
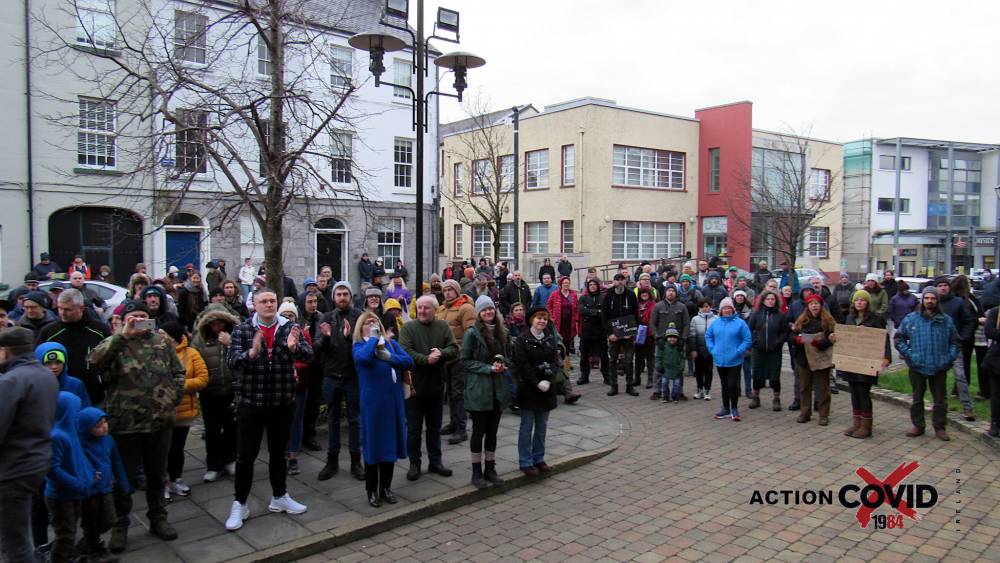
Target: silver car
113	295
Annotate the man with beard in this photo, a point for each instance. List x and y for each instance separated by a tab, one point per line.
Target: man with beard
593	339
841	297
234	299
761	276
436	290
669	312
928	342
703	273
340	380
517	291
714	292
620	304
966	320
889	283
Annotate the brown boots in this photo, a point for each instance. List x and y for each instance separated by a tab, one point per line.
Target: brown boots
854	426
862	426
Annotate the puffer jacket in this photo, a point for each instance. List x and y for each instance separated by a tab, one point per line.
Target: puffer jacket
728	339
460	314
213	353
769	328
714	293
696	334
195	379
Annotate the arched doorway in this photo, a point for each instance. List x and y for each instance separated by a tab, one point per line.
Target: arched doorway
184	236
331	245
103	235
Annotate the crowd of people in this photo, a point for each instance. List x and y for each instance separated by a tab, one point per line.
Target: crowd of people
112	404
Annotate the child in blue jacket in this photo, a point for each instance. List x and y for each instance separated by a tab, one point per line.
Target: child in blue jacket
69	480
98	510
55	357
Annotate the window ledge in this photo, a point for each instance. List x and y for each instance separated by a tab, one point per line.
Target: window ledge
100	51
650	188
97	172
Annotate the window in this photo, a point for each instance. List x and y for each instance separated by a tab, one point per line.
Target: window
96	23
647	168
458	247
190	143
482	241
403	160
507	172
96	134
481	176
403	75
888	162
458	180
569	165
536	237
818	242
390	240
341	67
507	241
264	63
714	171
251	238
819	184
713	236
342	156
776	177
635	240
885	205
536	169
189	37
265	130
567	237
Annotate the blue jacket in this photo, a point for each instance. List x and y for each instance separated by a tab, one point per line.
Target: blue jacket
102	453
542	294
66	381
728	339
928	345
71	475
794	281
383	411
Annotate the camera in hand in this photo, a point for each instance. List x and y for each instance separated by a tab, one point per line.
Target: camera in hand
546	370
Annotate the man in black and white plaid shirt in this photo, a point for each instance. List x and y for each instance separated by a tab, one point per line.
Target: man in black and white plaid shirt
263	352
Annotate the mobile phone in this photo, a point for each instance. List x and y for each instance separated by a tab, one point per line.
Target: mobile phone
145	324
375	331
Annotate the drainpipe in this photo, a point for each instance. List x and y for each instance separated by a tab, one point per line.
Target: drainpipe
578	164
30	181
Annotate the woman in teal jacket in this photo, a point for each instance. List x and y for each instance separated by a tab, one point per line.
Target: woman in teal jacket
728	339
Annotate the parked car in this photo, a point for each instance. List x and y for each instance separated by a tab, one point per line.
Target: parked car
112	294
805	274
916	284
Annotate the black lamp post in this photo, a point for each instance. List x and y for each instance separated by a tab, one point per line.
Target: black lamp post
378	44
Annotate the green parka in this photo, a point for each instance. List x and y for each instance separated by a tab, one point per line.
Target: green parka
482	385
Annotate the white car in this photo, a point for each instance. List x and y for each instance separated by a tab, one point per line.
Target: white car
112	294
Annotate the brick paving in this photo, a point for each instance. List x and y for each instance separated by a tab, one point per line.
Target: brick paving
338	502
679	485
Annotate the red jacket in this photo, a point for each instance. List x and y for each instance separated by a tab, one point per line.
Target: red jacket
555	305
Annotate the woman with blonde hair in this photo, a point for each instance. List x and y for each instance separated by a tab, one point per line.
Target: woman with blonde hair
380	362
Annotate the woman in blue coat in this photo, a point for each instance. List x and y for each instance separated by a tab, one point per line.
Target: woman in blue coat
380	362
728	339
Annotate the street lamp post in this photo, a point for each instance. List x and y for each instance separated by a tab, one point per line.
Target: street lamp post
378	44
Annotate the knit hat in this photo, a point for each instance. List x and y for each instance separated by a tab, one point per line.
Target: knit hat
930	290
16	336
288	307
173	270
671	331
391	304
535	311
453	285
373	292
261	280
308	282
173	329
133	306
484	276
344	284
435	278
687	277
668	286
484	302
871	277
39	297
561	278
861	294
726	302
152	290
469	273
739	292
813	297
54	355
845	275
941	280
425	287
5	305
643	276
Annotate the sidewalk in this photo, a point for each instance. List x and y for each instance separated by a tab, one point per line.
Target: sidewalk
339	502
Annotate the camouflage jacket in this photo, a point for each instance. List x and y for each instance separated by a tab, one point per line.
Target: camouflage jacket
143	381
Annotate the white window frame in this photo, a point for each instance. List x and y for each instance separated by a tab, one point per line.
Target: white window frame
567	237
342	157
646	240
907	162
507	231
402	160
458	245
817	244
638	167
184	141
819	184
480	176
385	228
536	169
402	74
190	37
482	241
341	67
457	170
507	172
265	66
568	165
536	237
714	170
95	23
96	138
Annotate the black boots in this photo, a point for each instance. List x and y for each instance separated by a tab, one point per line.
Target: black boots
613	391
458	436
478	481
159	527
119	538
331	468
755	401
357	468
490	473
414	472
630	389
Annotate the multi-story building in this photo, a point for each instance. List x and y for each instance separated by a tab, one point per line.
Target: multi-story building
947	215
81	185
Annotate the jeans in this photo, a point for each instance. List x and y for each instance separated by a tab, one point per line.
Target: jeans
593	347
936	382
962	382
456	397
220	430
252	422
175	457
148	449
337	390
15	518
624	349
531	437
747	374
671	385
419	411
729	378
298	416
63	516
245	290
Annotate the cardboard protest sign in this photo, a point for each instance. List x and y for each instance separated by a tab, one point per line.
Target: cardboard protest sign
859	349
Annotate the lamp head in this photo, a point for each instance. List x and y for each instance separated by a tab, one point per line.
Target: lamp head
459	62
377	45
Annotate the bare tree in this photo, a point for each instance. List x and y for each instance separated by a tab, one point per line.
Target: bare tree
246	94
487	183
786	200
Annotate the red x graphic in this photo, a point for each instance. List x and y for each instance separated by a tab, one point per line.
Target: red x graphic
864	514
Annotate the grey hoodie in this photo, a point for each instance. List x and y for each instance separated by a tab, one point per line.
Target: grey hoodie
26	386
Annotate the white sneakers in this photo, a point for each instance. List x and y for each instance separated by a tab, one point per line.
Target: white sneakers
286	504
231	468
707	396
211	476
179	488
237	514
698	395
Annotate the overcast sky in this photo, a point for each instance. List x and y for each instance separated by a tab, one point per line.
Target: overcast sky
845	69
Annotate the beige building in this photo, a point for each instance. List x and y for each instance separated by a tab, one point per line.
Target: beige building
599	182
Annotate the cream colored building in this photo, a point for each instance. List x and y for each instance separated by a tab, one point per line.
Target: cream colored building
599	182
